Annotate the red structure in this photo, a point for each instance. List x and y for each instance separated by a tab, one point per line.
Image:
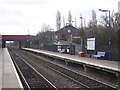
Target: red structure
18	38
15	37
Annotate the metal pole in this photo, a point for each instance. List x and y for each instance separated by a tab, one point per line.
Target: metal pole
109	37
81	44
82	39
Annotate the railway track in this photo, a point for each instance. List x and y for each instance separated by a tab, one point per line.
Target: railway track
74	77
31	78
66	81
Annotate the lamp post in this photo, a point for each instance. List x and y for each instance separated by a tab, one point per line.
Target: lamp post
83	35
109	37
82	22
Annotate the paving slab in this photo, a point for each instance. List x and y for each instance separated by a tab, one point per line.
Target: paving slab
10	78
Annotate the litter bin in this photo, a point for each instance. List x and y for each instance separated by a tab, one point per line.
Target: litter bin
82	54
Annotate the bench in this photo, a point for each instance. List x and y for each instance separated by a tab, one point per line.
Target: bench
99	55
63	50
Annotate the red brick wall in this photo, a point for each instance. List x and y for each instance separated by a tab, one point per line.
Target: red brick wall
63	34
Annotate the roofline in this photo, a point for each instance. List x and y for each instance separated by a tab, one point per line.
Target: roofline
65	27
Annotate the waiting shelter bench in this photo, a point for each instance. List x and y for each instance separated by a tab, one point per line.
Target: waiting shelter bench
99	55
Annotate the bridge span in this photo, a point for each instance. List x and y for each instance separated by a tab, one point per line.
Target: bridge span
19	38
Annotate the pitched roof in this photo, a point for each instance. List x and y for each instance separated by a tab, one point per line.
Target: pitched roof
67	27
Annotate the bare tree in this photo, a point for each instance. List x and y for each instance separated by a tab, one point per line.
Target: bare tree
94	17
103	30
45	28
63	21
58	20
93	22
115	21
69	17
44	36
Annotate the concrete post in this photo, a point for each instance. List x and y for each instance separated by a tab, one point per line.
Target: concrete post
20	44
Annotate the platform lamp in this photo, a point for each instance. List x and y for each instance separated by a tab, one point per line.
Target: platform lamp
109	37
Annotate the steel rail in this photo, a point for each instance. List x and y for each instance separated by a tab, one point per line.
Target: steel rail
67	77
21	75
54	87
60	73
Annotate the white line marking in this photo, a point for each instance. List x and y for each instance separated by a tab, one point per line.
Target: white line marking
18	78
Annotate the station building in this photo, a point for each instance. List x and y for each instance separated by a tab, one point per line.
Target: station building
66	33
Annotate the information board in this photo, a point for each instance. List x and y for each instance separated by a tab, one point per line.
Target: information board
91	44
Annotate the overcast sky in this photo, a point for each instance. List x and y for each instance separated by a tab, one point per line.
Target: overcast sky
17	16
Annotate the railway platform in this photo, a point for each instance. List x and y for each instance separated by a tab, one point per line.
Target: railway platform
104	65
8	75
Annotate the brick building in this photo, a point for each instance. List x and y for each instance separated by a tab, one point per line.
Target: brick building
66	33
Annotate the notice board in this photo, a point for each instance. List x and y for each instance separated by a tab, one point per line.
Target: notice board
91	44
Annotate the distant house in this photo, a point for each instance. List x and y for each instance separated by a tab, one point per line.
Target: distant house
65	33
